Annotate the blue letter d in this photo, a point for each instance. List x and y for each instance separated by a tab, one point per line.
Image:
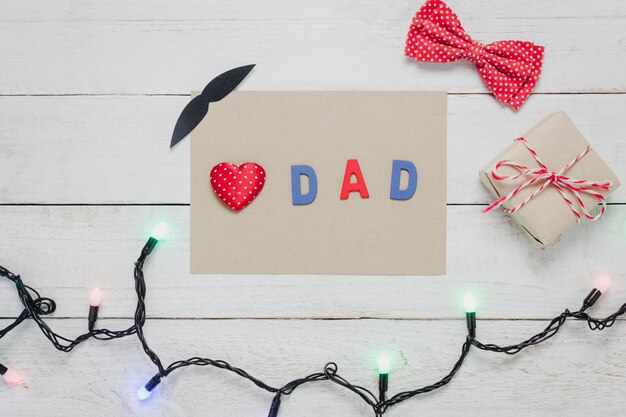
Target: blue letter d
297	197
396	170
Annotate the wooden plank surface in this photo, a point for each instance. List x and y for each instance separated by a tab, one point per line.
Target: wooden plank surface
111	150
66	251
578	373
167	47
89	94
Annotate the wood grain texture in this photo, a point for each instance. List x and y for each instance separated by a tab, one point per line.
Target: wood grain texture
148	47
578	373
111	150
66	251
89	94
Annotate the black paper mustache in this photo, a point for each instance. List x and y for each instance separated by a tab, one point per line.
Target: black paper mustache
218	88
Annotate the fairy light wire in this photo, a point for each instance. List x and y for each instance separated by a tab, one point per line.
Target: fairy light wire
35	307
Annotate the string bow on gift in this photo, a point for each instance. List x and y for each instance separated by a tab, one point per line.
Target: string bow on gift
556	179
510	69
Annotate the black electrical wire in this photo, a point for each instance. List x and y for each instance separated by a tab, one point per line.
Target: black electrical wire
555	325
398	398
36	306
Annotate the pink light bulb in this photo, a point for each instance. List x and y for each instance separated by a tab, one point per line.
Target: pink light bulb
602	283
11	377
95	298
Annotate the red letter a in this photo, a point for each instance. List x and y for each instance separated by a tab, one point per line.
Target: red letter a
353	168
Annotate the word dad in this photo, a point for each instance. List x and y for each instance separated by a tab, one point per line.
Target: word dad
352	169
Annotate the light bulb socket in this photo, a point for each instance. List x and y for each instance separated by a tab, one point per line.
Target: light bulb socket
93	316
147	249
470	318
152	384
3	369
591	298
275	406
383	384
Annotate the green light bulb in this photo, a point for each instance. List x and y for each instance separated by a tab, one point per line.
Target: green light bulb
159	231
470	303
383	364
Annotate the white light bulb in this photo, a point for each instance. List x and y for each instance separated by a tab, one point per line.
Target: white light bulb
602	283
143	393
159	231
384	363
95	297
11	377
470	303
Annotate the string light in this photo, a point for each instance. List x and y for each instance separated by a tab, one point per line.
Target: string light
470	303
159	231
602	283
470	314
384	363
275	406
9	376
145	391
95	299
36	306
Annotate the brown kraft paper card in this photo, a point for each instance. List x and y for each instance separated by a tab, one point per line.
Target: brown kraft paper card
323	130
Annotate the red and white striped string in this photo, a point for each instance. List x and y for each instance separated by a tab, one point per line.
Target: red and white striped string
546	177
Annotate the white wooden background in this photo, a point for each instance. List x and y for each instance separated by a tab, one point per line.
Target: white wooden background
89	93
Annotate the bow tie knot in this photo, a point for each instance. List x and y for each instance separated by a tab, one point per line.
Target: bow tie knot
474	53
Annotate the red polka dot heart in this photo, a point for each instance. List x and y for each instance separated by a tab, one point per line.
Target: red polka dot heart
236	185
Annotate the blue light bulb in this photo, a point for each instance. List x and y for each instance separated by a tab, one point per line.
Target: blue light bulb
144	392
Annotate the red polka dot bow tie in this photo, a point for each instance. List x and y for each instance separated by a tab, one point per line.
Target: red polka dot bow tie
509	68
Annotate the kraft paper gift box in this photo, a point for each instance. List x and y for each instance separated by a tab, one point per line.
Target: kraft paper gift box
557	142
